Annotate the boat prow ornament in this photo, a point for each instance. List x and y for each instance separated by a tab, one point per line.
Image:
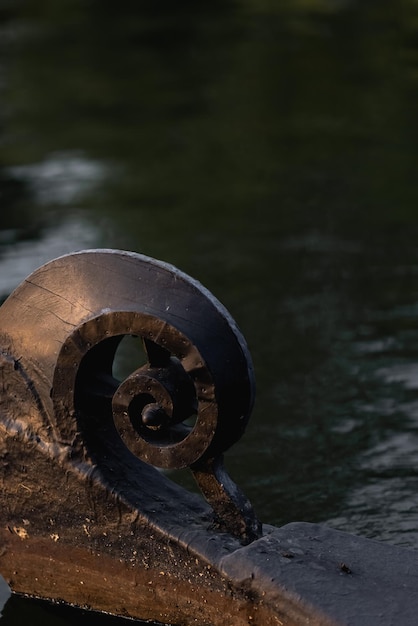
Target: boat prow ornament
86	515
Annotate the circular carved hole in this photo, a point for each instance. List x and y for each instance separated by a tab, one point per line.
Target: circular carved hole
129	356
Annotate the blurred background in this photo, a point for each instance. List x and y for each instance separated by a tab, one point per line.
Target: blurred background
270	150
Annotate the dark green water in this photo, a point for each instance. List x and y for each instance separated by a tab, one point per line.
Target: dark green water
272	153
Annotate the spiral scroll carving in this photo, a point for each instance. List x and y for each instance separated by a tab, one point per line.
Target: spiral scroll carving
184	407
150	407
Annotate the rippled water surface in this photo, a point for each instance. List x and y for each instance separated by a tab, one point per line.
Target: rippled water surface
272	153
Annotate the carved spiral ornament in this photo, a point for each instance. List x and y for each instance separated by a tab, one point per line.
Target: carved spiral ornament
165	411
191	399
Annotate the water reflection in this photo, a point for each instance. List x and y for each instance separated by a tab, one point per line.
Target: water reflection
271	152
4	593
61	179
29	238
19	259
